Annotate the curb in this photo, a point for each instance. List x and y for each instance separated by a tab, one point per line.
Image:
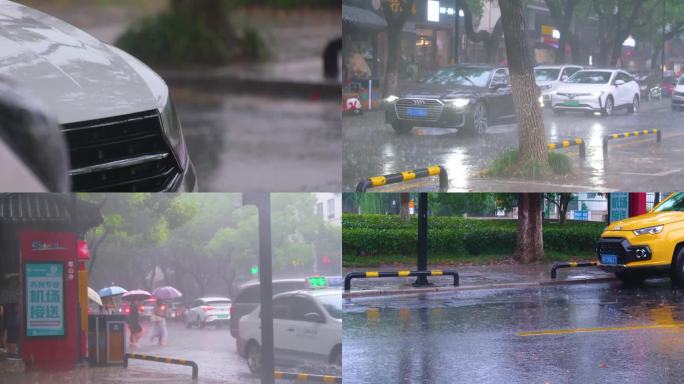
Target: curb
417	291
328	90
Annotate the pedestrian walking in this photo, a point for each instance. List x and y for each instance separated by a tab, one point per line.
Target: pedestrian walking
158	319
134	324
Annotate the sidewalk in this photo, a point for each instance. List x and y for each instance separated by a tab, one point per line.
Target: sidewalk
473	277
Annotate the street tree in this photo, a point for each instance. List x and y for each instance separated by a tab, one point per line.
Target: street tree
456	204
532	151
562	12
404	199
616	20
561	201
491	40
396	12
668	14
530	242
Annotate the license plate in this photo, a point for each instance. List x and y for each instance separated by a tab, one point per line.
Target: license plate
416	112
609	259
573	103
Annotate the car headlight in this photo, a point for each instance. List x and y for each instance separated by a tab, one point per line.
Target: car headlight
457	103
545	87
596	94
173	131
391	99
648	230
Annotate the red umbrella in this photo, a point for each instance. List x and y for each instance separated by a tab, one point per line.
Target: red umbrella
137	294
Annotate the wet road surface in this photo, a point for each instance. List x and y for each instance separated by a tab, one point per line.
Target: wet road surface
372	148
593	333
255	143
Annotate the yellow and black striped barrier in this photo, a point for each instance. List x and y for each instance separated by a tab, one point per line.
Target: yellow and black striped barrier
657	132
160	359
307	377
379	181
570	143
370	274
571	264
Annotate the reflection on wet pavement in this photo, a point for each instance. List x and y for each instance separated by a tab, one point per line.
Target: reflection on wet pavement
372	148
476	336
256	143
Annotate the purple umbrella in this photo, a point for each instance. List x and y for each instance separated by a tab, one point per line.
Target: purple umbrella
166	293
137	294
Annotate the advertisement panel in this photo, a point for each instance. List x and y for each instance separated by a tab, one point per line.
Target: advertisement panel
44	287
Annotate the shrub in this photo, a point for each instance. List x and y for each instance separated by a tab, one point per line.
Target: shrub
370	235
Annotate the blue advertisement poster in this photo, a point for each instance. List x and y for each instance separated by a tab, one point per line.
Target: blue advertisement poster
44	299
619	206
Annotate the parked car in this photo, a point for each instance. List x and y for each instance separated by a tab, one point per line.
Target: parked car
668	84
678	94
307	327
248	298
647	81
470	97
175	311
116	114
647	245
597	91
147	308
548	77
208	311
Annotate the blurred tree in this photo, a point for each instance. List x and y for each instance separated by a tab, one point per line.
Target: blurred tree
457	204
562	12
561	201
617	18
212	13
533	157
396	12
404	199
491	40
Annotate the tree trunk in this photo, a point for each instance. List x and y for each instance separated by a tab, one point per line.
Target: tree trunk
533	153
563	207
492	43
395	18
404	199
530	243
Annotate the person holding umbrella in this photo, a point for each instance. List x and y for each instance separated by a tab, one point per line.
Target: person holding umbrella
159	329
135	297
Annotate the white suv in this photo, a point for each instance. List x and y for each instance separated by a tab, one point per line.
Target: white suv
307	326
208	311
597	90
549	77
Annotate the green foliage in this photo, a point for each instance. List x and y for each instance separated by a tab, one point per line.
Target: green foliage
506	165
370	235
286	4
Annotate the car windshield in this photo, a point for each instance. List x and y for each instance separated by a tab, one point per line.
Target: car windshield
333	304
546	74
478	77
590	77
674	203
680	81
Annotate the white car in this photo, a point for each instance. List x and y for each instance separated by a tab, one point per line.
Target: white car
307	326
208	311
678	94
549	77
598	91
116	114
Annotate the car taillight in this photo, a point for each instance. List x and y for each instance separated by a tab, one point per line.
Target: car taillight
232	310
127	310
142	308
207	309
163	307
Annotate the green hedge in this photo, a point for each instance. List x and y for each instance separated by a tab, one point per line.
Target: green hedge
388	235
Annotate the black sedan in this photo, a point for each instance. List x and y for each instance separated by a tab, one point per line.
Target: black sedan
470	97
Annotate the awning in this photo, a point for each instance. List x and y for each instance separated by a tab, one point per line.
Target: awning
363	18
56	208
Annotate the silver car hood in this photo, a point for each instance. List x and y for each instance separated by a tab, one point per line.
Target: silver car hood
76	76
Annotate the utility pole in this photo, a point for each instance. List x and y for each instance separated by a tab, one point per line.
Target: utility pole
662	52
422	281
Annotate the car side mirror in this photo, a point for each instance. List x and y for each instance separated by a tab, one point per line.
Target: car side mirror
565	78
498	85
313	317
619	82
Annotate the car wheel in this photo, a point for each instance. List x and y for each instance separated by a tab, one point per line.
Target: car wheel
677	268
201	324
630	278
253	356
635	105
477	123
188	324
401	128
608	108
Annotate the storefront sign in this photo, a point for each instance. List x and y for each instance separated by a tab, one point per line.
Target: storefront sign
433	11
44	299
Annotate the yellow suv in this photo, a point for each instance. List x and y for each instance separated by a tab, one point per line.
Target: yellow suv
647	245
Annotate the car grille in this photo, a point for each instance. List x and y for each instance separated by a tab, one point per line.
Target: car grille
121	154
571	95
434	109
612	246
